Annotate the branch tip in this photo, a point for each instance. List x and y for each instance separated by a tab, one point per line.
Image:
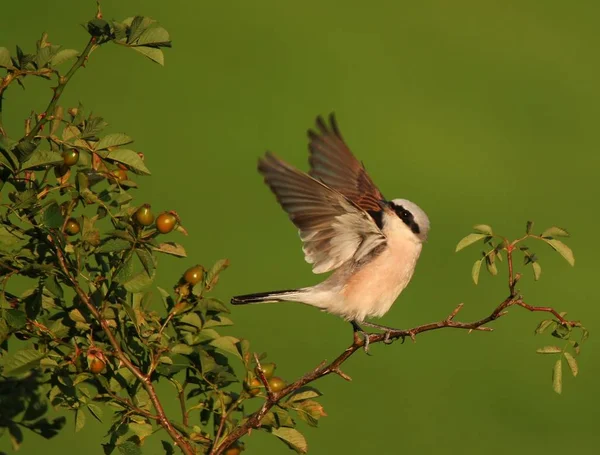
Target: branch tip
342	375
455	312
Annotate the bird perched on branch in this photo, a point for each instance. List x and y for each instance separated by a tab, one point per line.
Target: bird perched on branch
348	227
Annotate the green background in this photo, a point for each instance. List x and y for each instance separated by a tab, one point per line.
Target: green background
481	112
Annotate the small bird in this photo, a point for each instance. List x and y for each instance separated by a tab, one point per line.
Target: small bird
348	227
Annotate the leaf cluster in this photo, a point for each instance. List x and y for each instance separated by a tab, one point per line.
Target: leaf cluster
91	331
494	247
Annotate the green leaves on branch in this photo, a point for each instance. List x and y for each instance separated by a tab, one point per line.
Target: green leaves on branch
493	251
140	33
494	247
46	57
568	352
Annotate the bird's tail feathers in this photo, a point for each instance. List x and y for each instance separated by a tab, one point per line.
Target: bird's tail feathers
267	297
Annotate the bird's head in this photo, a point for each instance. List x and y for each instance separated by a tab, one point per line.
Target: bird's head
412	216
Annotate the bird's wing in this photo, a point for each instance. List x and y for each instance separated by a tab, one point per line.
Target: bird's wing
333	229
333	163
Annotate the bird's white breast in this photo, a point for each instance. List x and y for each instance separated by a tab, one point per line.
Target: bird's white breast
372	290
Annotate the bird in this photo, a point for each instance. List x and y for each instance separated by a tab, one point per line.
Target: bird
347	227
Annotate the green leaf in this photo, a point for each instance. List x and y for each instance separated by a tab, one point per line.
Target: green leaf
562	249
304	394
227	344
139	282
310	411
22	361
483	228
572	363
192	319
96	411
475	270
213	304
137	25
113	140
557	376
79	419
75	315
5	60
111	245
8	237
469	240
182	349
544	325
549	350
147	261
42	57
555	231
42	158
562	332
491	265
156	36
171	248
24	149
537	270
141	430
126	271
292	437
129	448
4	330
168	448
16	436
529	227
63	56
130	159
207	362
52	285
132	316
212	276
52	216
16	319
156	55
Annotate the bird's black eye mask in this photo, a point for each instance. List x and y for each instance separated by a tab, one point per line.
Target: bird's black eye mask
402	213
406	216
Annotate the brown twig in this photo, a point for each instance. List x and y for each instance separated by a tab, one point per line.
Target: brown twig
144	379
546	309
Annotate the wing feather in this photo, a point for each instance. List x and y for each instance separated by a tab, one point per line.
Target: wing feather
333	229
333	163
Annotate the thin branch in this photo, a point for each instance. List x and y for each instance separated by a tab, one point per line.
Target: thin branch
62	82
145	380
547	309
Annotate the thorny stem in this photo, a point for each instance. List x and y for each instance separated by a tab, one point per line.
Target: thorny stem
144	379
62	82
324	369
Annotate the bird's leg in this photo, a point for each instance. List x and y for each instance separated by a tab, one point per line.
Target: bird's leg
358	329
384	328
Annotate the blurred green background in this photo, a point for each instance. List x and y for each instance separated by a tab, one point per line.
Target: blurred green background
481	112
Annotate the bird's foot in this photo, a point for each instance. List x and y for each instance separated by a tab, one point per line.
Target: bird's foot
365	335
386	339
388	331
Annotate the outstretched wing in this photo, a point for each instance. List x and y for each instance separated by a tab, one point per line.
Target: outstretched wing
333	229
332	163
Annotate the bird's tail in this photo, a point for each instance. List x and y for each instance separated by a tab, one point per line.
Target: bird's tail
289	295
